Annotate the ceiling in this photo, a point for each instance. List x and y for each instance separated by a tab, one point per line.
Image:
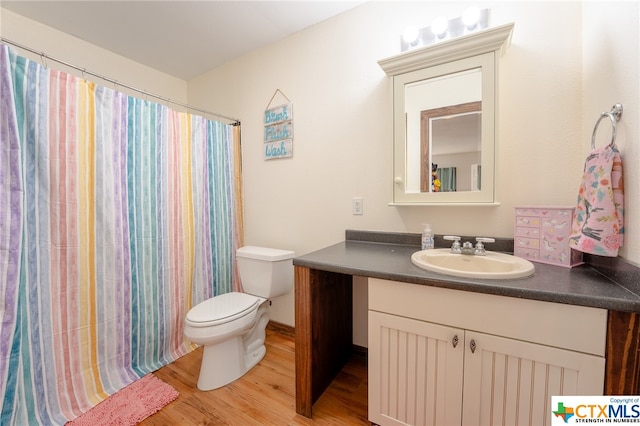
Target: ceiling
179	37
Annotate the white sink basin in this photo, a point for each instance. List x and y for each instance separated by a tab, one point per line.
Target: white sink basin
494	265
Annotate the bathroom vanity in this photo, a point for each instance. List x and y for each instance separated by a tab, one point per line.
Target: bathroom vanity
577	325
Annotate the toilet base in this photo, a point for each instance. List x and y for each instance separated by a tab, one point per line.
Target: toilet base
226	361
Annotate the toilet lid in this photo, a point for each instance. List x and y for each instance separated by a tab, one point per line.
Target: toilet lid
223	307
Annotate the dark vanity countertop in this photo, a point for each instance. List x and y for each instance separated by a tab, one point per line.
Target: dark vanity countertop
582	285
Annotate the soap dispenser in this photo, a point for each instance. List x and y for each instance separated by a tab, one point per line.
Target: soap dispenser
427	238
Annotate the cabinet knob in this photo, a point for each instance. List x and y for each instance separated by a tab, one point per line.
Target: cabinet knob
454	341
472	346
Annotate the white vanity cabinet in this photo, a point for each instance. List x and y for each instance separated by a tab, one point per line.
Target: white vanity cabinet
446	357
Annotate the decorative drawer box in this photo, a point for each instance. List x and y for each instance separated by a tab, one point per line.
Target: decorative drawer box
542	235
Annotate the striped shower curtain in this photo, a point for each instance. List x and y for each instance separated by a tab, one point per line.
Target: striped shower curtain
116	216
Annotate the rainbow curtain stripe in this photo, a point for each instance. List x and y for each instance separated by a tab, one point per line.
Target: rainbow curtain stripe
116	216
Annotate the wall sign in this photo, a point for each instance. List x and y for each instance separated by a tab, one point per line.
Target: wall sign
278	130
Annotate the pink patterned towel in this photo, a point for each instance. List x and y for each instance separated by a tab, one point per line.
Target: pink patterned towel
598	221
130	405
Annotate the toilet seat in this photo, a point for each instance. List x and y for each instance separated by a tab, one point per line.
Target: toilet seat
222	309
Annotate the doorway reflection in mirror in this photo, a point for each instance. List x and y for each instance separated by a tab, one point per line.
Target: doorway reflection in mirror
455	145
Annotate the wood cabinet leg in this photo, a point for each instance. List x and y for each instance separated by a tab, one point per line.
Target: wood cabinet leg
324	331
622	375
303	340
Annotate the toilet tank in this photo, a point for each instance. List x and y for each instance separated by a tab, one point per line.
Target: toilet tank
265	272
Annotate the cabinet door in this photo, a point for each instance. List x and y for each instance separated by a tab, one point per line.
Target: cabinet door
511	382
415	371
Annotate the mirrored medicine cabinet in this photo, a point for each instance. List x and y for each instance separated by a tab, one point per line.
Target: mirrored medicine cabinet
445	119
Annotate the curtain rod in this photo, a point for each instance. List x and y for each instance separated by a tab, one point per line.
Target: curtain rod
235	121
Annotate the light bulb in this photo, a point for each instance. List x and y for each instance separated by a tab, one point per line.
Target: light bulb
410	35
471	17
439	26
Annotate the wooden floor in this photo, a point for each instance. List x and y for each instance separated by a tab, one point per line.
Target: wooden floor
263	396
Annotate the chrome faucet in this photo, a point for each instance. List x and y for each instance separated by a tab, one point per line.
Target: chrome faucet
467	247
479	250
456	248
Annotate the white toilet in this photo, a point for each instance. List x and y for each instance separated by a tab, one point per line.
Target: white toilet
231	326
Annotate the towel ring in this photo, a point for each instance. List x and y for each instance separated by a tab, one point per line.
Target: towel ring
614	116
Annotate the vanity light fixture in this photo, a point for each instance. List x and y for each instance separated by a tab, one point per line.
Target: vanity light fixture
471	18
411	36
441	29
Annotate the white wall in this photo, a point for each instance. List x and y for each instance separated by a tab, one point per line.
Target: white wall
74	51
568	62
611	67
552	88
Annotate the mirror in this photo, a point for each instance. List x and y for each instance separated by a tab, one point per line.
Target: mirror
445	120
431	105
450	151
443	132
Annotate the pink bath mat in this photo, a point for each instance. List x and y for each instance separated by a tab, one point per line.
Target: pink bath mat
130	405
